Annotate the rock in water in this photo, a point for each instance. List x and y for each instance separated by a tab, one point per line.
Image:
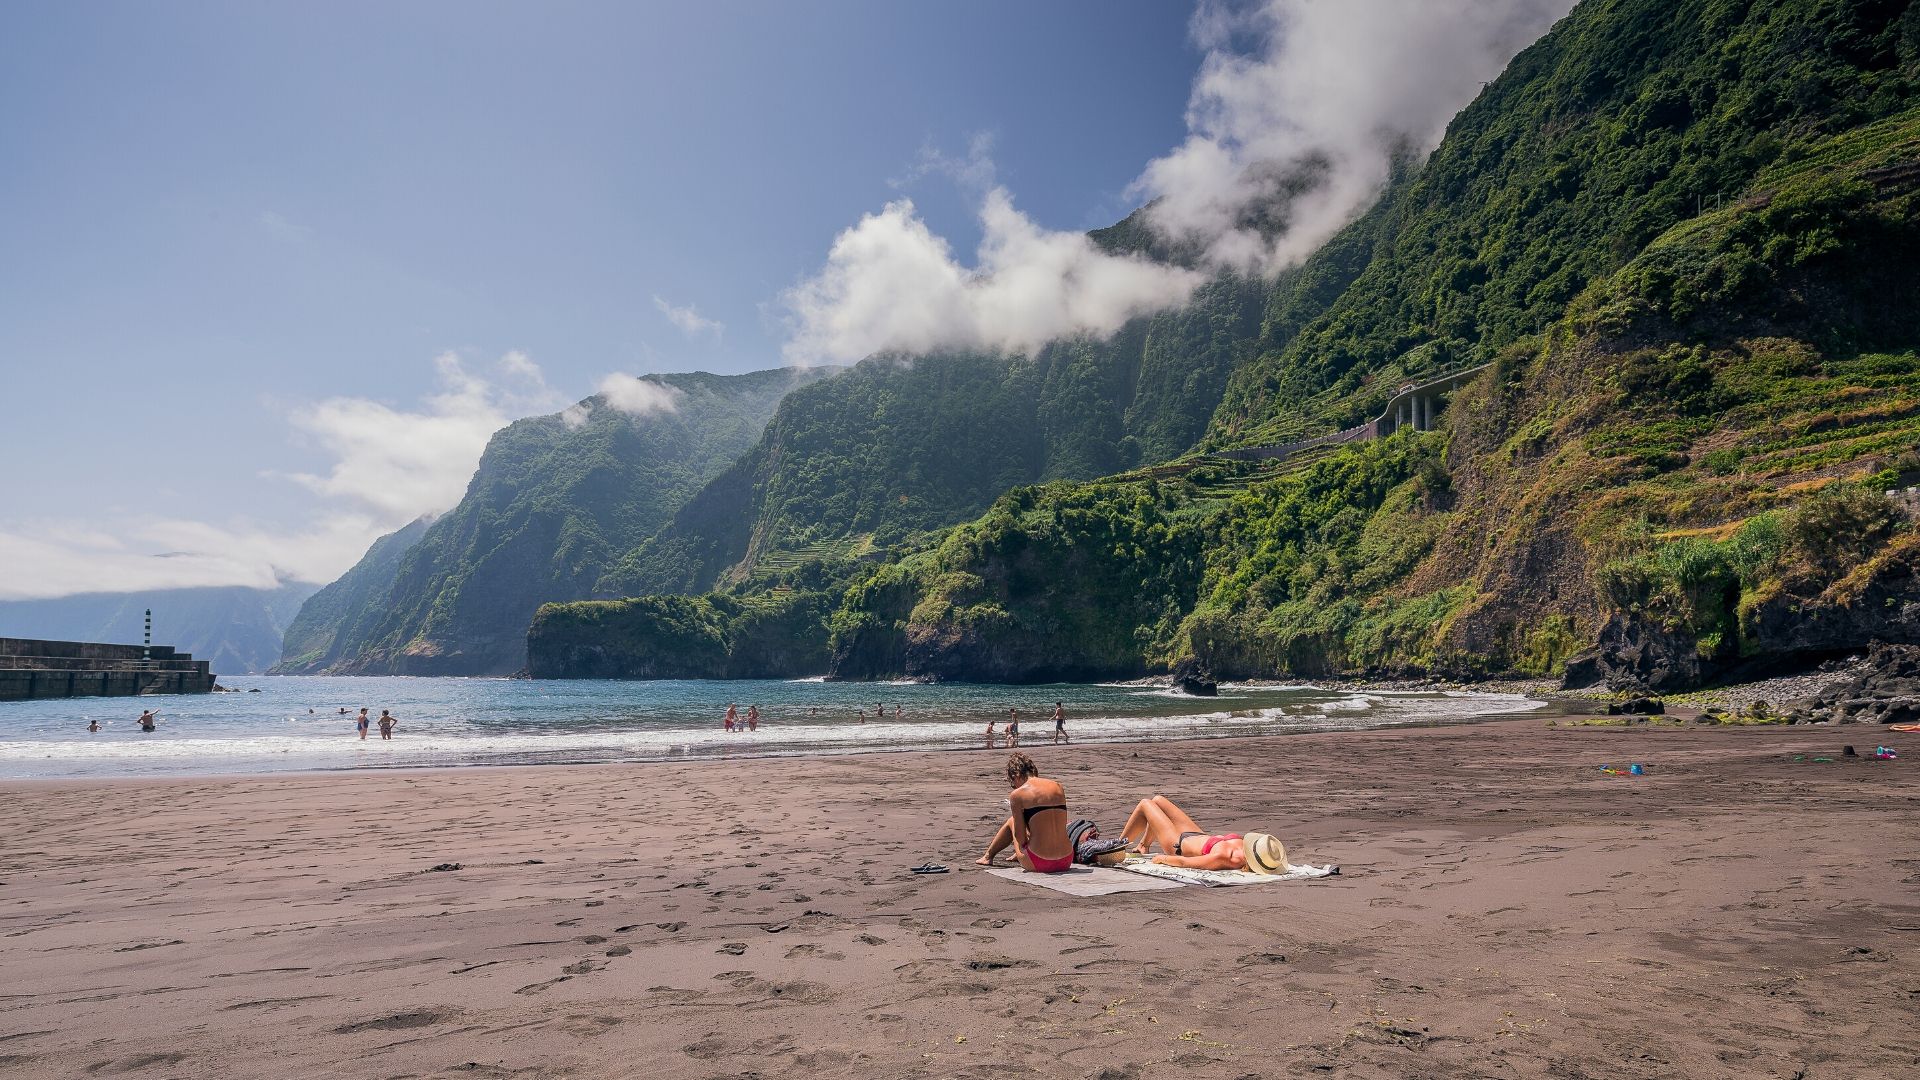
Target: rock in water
1190	677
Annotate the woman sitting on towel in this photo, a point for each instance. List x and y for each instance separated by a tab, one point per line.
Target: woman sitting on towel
1036	825
1183	842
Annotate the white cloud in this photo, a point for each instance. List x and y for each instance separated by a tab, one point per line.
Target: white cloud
389	466
891	285
1299	131
1293	122
281	228
42	559
688	319
402	463
975	173
638	397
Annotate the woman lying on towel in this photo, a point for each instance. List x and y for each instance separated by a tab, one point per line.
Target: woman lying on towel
1036	825
1184	843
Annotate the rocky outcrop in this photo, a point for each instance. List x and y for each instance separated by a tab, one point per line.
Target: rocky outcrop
1879	601
1192	677
1885	690
1637	655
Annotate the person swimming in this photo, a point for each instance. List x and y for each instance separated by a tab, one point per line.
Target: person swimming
1036	825
1156	820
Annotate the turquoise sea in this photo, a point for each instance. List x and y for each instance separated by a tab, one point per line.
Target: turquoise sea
294	723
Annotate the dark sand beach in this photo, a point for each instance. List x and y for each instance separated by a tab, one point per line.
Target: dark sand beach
1505	911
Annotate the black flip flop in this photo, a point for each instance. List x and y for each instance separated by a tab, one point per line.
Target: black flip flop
927	868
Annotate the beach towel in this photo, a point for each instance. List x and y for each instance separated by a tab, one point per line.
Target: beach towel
1086	880
1216	878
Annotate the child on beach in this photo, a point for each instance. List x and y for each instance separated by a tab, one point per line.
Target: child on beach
386	724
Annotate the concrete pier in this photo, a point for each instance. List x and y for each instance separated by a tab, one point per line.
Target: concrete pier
31	668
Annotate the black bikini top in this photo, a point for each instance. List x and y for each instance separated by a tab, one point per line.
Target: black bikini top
1026	815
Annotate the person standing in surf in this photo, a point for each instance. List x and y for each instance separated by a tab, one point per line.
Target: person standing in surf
733	713
753	718
1060	723
362	723
1013	729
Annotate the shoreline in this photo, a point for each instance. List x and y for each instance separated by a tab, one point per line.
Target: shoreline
1503	906
828	754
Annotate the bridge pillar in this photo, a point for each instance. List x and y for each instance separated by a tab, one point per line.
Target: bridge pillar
1426	414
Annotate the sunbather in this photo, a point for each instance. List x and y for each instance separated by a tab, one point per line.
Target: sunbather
1156	820
1036	825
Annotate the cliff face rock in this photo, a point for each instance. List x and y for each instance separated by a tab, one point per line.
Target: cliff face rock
554	502
334	618
1878	602
1638	655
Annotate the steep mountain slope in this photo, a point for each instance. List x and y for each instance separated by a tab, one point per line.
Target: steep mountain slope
902	445
554	501
1626	119
238	629
345	611
1689	246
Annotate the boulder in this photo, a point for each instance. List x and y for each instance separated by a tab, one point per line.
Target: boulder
1885	690
1637	655
1192	677
1638	706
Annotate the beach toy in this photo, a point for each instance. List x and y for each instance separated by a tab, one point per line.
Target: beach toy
1885	753
1636	770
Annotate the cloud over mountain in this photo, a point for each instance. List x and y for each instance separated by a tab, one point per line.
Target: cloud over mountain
1297	113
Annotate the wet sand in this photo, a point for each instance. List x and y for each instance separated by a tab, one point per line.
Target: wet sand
1504	911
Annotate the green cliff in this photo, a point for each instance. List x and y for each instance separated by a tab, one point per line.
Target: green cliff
554	502
1684	234
341	615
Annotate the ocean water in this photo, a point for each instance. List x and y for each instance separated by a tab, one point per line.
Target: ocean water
294	723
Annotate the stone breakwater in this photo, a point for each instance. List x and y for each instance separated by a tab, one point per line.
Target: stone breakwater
31	668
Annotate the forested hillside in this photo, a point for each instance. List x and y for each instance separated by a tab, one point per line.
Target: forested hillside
900	446
553	503
340	616
1684	232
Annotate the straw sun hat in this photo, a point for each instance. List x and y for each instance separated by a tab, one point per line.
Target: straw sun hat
1265	853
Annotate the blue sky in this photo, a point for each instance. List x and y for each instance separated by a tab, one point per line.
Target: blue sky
212	213
241	244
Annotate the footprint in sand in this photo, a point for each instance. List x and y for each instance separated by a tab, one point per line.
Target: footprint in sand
396	1022
138	1061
